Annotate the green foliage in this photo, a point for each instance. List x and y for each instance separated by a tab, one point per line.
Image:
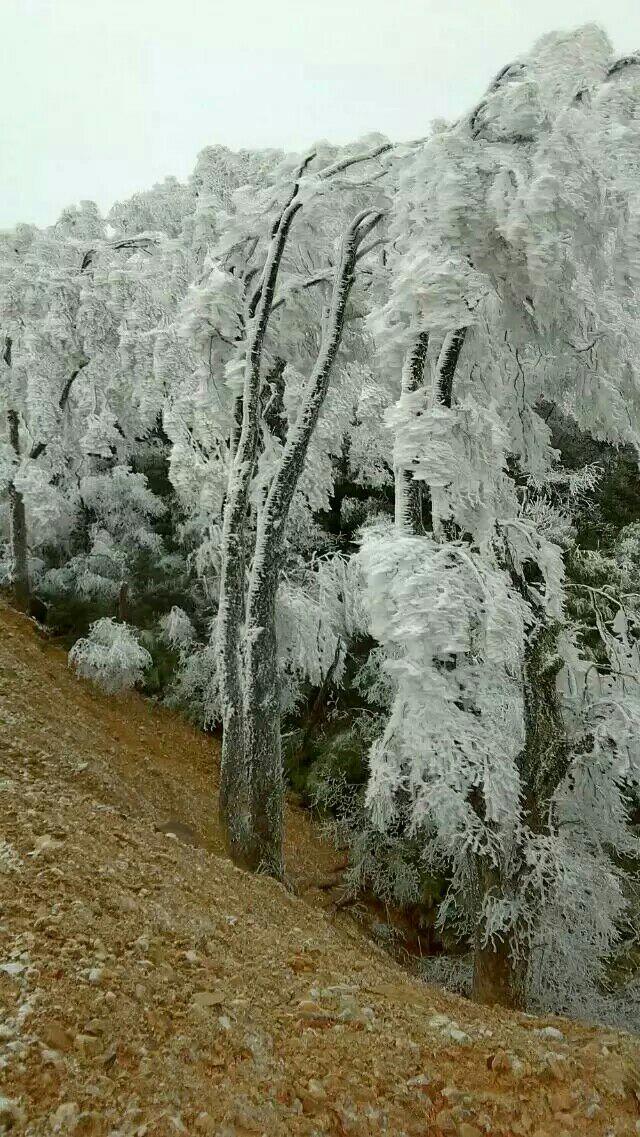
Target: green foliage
165	661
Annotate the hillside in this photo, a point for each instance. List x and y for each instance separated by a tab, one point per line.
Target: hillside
149	988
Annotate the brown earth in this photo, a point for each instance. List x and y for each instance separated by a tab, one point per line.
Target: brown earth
149	988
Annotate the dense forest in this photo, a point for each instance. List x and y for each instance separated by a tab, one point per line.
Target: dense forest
337	454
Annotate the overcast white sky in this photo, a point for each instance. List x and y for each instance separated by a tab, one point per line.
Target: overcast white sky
99	98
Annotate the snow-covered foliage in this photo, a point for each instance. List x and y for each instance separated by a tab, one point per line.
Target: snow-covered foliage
515	232
110	655
300	409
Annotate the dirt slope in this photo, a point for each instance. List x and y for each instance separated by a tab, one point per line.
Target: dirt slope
148	988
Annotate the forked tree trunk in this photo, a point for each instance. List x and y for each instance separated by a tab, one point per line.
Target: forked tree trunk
253	761
234	796
262	739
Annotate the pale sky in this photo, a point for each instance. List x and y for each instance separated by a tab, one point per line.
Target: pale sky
100	98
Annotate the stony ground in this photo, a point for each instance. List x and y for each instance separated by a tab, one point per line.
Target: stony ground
148	988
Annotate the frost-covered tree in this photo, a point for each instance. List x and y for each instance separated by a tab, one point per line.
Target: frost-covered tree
267	441
515	237
110	655
176	472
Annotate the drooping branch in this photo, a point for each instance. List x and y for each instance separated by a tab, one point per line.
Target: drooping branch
345	163
323	277
40	447
286	478
275	229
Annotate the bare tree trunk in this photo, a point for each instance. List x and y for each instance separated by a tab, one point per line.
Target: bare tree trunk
408	492
500	973
262	689
18	544
447	364
499	966
123	603
20	583
497	978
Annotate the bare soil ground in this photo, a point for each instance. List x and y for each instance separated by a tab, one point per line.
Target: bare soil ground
148	988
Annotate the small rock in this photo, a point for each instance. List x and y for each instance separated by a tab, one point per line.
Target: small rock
316	1089
65	1116
466	1129
453	1095
56	1037
13	967
310	1105
446	1121
309	1005
10	1113
45	844
204	1123
439	1021
96	976
420	1080
560	1101
550	1032
87	1044
208	999
89	1124
95	1026
300	963
593	1106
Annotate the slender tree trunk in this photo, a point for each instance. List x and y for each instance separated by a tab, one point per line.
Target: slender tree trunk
20	584
123	603
18	543
447	364
408	492
500	973
262	687
545	758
